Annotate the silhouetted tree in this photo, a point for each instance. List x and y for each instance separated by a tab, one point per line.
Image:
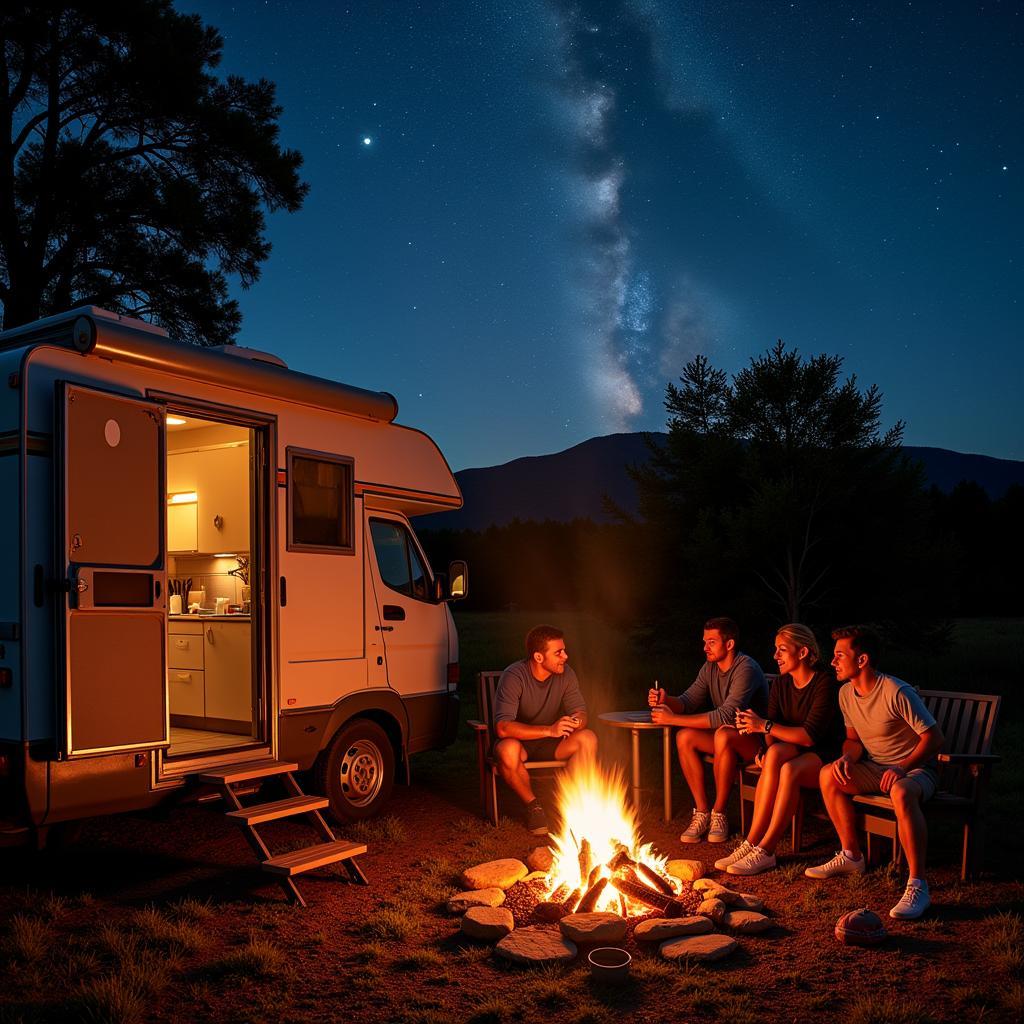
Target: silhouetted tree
777	494
131	177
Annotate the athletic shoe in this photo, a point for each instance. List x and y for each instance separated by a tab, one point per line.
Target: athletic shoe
536	819
754	863
738	854
719	831
695	831
913	903
840	864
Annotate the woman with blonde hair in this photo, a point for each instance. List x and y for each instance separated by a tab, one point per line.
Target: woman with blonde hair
800	736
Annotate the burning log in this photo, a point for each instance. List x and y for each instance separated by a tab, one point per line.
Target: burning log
623	909
629	885
570	903
560	894
585	860
589	901
595	874
652	876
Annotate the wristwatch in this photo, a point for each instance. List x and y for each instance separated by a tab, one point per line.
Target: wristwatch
768	723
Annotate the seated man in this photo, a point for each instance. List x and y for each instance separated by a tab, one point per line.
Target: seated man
728	682
539	715
890	747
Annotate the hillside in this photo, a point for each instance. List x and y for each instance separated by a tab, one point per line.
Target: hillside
573	483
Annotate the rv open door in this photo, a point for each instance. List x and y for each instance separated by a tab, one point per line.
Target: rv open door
111	492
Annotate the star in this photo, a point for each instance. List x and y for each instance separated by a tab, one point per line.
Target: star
367	141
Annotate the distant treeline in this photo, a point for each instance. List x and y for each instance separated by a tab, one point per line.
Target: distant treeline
974	567
775	497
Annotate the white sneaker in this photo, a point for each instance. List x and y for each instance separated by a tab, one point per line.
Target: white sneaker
840	864
719	831
738	854
754	863
699	824
913	903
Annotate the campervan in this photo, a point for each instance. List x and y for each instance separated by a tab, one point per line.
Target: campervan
207	560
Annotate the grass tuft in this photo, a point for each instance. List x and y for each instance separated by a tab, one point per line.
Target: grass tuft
191	909
159	930
880	1008
28	939
113	999
495	1010
258	958
420	959
388	829
390	923
1001	937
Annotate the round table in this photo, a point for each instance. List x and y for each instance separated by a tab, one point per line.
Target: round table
636	722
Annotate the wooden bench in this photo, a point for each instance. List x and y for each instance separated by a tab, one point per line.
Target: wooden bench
968	724
486	688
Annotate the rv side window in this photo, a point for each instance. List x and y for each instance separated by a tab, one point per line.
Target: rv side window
320	499
400	565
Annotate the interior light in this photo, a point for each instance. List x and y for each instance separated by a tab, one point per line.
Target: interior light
182	498
176	421
224	554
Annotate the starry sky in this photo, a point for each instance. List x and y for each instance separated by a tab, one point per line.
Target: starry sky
526	217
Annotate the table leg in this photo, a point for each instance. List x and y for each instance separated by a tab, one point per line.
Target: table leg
666	771
636	769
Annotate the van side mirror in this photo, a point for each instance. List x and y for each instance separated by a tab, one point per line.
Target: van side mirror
458	575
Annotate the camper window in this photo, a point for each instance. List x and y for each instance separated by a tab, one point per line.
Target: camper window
398	560
320	489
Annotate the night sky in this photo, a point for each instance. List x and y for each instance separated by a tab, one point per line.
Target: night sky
526	216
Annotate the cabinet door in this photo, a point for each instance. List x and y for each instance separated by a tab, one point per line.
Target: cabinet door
186	692
228	663
223	488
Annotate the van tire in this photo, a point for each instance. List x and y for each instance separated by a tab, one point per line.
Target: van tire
356	772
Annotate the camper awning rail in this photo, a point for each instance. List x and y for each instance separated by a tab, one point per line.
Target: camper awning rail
94	331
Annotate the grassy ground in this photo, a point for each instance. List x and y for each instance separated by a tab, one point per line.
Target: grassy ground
165	918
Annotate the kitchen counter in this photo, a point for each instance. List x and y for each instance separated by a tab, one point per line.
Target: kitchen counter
184	617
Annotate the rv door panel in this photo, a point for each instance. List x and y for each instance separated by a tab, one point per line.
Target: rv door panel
113	652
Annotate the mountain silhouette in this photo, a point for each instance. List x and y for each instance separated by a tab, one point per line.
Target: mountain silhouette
573	484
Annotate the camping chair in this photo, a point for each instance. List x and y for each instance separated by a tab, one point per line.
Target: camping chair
486	689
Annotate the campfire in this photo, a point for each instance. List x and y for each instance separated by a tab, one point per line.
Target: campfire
599	862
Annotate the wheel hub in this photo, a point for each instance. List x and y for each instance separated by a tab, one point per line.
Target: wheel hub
362	772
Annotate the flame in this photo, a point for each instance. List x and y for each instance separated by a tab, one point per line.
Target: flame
592	804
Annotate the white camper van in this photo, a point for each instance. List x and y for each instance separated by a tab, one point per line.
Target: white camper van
207	561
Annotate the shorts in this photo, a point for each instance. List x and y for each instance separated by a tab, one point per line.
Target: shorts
542	749
866	776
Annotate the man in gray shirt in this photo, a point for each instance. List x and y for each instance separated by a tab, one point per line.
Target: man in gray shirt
539	715
727	682
890	747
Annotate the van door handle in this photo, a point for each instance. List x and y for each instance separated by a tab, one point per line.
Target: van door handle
384	629
394	613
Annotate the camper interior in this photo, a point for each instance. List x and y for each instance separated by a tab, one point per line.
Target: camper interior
212	671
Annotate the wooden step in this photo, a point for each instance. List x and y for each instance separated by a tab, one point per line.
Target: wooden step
246	771
259	813
296	861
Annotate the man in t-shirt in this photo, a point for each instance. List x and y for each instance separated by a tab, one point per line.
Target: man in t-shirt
727	682
890	747
539	715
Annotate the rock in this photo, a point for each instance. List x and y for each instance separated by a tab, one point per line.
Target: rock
501	874
462	901
746	922
713	908
657	929
601	928
687	870
715	890
548	911
539	858
487	923
536	944
698	947
749	902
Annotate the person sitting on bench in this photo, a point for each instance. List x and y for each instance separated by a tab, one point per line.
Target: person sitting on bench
890	747
799	735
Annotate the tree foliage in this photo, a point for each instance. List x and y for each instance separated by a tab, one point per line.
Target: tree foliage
778	496
130	176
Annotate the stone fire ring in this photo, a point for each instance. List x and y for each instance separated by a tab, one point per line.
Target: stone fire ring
536	945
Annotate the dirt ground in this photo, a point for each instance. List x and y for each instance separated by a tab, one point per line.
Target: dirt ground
166	917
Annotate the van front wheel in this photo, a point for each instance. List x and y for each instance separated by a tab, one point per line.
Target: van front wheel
357	771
